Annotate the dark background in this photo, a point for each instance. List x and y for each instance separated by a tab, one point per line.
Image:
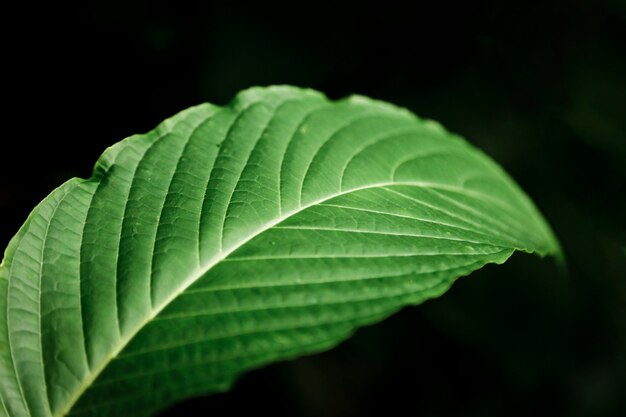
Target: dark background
541	88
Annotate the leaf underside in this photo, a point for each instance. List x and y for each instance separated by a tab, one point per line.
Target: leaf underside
230	237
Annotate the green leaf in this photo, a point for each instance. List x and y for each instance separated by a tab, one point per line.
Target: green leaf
230	237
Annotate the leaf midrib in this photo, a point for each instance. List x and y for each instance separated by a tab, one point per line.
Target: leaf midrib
222	256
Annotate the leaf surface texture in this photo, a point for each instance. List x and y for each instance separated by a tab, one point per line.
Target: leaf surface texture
230	237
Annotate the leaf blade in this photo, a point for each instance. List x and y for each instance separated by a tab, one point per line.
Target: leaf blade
293	218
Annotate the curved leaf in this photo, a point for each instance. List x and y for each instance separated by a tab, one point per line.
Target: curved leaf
229	237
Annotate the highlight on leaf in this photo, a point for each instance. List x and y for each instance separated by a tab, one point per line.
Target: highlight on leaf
230	237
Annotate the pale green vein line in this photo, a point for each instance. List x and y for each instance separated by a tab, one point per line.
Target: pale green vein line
362	149
165	199
267	126
234	185
480	196
380	232
118	313
192	135
8	316
401	293
324	106
402	216
4	407
426	153
511	210
81	315
81	253
226	137
278	284
515	222
321	282
360	118
494	231
445	187
345	331
25	294
348	256
462	191
43	251
319	107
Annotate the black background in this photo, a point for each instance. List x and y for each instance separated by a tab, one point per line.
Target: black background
540	87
